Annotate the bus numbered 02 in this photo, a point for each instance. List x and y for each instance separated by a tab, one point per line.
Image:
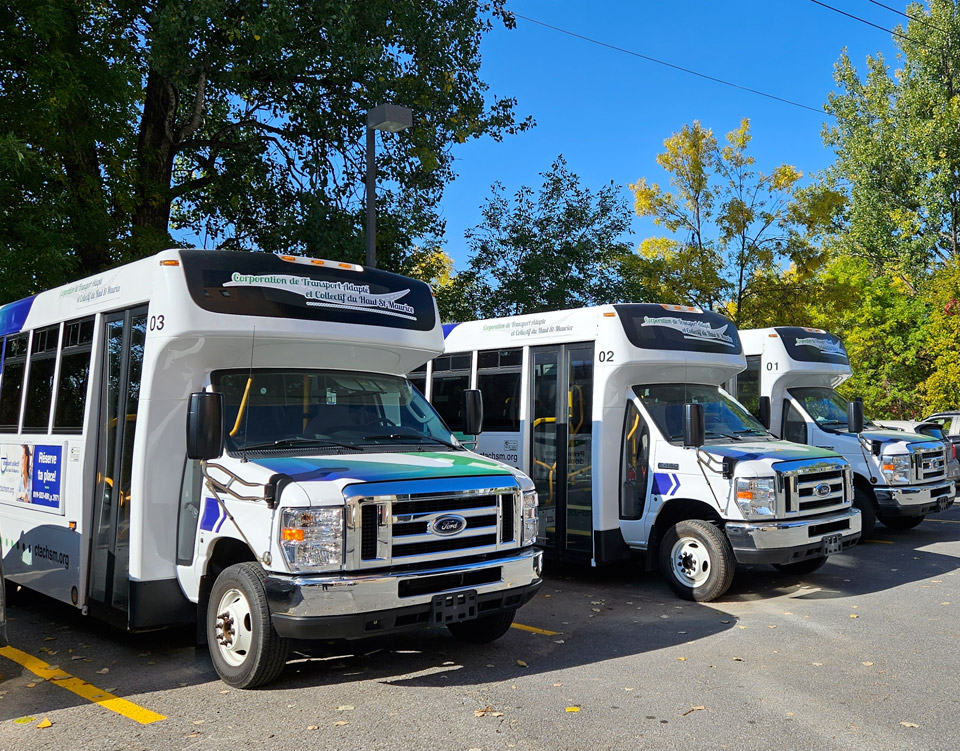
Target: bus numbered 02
228	438
618	415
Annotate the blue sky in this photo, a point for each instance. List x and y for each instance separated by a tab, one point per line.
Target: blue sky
608	113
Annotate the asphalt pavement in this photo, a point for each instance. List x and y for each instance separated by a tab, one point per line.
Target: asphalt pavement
859	655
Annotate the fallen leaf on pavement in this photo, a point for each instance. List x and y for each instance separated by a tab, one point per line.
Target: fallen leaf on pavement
340	723
572	709
681	659
44	723
313	727
345	707
910	724
867	664
521	663
854	615
693	709
103	671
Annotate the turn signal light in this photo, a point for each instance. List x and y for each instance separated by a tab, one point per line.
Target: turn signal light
291	535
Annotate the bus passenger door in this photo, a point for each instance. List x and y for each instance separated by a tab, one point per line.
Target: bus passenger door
562	443
123	340
634	476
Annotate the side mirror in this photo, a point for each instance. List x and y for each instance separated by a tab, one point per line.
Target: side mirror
855	415
205	425
764	410
694	427
472	411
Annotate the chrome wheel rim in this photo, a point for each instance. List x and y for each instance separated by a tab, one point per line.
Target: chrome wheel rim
690	561
234	627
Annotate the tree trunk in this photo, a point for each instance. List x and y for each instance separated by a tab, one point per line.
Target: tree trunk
155	153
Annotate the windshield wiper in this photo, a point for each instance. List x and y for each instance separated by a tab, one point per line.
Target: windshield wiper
723	435
297	441
751	431
418	436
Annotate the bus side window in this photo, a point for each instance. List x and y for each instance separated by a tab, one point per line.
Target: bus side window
498	378
794	426
634	469
11	382
748	385
451	375
74	373
43	359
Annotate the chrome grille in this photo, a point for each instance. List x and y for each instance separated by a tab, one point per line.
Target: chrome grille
814	487
929	464
396	523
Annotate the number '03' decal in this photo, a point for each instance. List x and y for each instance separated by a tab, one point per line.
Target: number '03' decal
156	323
606	355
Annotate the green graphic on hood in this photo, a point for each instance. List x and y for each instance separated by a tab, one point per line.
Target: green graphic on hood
781	451
381	467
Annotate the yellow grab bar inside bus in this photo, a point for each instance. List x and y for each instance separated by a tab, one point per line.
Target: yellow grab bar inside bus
243	406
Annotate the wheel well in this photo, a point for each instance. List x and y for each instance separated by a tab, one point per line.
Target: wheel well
673	511
861	483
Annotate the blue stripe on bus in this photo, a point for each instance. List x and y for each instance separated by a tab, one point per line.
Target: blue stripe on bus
448	327
14	315
211	512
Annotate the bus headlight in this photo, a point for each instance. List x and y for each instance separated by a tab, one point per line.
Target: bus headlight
757	497
528	516
896	468
312	538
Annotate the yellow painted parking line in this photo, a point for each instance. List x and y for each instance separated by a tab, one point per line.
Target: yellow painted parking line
880	542
81	688
534	629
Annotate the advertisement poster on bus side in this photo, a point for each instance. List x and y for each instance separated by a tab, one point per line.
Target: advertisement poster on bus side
32	474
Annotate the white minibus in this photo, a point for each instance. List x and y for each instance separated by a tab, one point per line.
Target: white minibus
617	414
228	438
790	380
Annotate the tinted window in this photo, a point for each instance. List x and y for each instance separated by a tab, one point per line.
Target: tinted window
501	400
794	426
74	374
11	382
633	471
448	398
670	327
813	345
43	360
748	385
262	284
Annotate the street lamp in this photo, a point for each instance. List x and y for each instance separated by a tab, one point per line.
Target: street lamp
391	118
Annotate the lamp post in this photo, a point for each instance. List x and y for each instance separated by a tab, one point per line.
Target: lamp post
391	118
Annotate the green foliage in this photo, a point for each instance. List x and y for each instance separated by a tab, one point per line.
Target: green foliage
732	227
897	141
547	251
240	121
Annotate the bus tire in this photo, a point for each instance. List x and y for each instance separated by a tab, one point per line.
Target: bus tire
802	567
901	522
868	514
483	630
244	646
697	559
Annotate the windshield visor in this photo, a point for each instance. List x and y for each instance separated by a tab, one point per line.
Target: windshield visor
724	418
281	408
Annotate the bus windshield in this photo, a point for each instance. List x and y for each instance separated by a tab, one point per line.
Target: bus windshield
724	418
825	406
327	410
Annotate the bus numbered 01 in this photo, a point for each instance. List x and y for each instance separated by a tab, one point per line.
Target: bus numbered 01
228	438
617	414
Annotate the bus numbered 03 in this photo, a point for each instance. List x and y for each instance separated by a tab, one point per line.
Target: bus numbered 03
228	438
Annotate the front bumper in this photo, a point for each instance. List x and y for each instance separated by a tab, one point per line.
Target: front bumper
781	542
915	500
351	607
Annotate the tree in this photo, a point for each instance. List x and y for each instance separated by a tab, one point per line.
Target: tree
897	141
236	119
730	225
547	251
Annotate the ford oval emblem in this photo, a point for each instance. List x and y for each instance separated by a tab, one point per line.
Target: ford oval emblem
448	524
822	489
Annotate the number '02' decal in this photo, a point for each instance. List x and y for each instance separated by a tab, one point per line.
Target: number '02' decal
156	323
606	355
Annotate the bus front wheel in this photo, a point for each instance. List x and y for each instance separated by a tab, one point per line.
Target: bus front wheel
244	646
697	559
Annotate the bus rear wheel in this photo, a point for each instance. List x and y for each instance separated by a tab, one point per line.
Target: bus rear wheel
901	522
244	646
697	559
